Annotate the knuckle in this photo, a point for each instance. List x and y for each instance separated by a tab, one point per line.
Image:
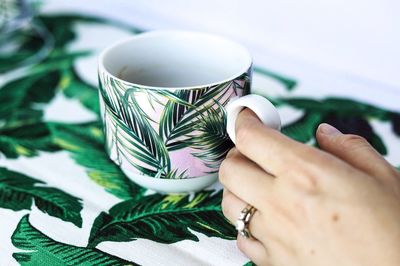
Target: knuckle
308	181
304	172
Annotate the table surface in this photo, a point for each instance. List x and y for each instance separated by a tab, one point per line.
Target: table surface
63	201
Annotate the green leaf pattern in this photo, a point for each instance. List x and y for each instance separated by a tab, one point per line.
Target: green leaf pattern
164	219
39	249
18	192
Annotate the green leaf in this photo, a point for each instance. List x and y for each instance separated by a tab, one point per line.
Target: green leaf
85	142
38	249
303	130
62	26
176	123
395	120
340	106
61	29
211	139
349	116
22	98
378	144
358	125
18	191
164	219
25	140
12	60
151	159
130	129
289	83
58	60
174	112
250	263
74	87
174	174
137	121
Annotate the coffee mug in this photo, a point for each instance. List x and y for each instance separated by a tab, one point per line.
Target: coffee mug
164	104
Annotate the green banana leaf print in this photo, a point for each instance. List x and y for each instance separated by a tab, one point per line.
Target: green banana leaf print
20	99
18	192
171	125
85	142
39	249
176	122
211	141
349	116
164	219
200	124
395	120
288	83
135	139
25	139
74	87
303	130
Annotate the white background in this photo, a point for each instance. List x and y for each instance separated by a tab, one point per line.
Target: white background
359	38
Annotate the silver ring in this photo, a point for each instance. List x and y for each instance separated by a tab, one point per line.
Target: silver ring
242	223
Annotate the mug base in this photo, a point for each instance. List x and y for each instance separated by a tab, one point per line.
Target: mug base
172	185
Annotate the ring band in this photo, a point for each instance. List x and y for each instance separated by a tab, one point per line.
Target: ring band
242	223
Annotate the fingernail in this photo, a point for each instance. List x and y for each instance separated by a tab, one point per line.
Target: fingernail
328	130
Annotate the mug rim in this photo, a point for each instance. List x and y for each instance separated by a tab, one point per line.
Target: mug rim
244	69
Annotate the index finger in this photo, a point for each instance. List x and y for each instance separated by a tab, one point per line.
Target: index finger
271	150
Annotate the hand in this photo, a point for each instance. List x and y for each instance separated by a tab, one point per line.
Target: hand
335	206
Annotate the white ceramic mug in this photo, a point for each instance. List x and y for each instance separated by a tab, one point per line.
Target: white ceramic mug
163	96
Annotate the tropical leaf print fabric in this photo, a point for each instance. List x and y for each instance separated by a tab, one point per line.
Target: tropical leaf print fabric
64	202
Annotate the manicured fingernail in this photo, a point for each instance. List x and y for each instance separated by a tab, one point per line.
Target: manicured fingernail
328	130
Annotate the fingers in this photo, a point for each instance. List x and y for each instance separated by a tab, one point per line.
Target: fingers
231	208
245	179
251	247
254	250
267	147
286	159
355	150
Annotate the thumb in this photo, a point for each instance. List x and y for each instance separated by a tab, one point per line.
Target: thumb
355	150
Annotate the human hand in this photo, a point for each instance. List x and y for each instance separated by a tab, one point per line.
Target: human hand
335	206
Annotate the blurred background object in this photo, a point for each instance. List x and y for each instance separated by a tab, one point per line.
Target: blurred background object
24	40
13	13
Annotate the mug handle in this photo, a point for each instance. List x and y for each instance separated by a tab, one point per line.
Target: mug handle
263	108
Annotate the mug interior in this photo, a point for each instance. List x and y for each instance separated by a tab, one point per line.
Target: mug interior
175	59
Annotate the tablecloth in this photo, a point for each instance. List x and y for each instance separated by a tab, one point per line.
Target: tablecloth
63	202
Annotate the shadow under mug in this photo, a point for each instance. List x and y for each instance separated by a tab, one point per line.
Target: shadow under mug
164	103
